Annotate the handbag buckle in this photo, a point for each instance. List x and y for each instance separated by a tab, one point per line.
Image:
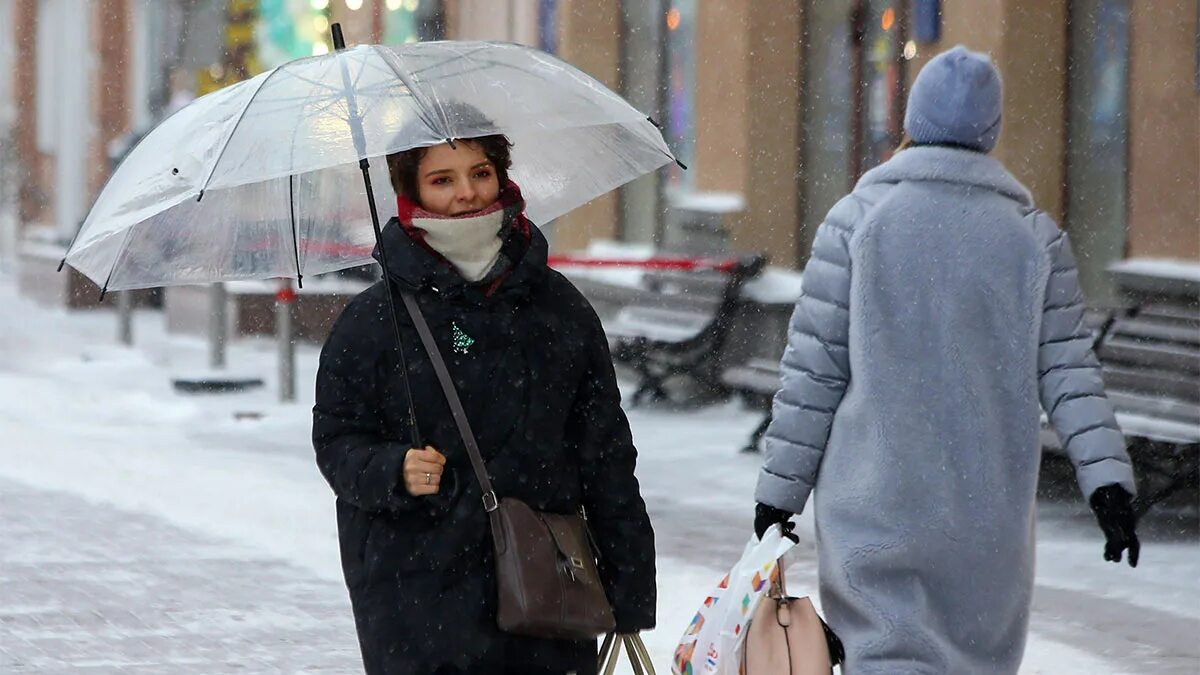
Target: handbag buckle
570	564
489	502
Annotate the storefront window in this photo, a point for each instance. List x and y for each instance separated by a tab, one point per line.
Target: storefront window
289	30
548	26
828	111
880	37
853	97
407	21
680	122
1097	137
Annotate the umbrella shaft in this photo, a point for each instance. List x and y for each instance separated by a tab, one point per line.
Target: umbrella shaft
391	300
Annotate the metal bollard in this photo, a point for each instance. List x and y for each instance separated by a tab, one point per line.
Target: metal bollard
125	317
285	298
217	328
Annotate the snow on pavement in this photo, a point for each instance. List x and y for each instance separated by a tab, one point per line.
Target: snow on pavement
92	434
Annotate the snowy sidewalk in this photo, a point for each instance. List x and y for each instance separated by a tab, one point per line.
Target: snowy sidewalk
142	531
88	588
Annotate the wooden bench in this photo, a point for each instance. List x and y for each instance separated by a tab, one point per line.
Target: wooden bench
1150	354
756	381
679	328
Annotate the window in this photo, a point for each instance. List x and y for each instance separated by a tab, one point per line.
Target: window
828	82
680	123
49	45
1097	136
879	33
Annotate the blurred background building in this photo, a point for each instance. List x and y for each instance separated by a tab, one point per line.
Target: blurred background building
776	106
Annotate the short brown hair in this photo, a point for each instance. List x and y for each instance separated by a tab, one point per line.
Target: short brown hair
402	166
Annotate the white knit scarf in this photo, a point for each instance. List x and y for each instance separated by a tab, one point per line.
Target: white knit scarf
471	243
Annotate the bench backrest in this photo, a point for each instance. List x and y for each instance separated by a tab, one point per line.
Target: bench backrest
1151	359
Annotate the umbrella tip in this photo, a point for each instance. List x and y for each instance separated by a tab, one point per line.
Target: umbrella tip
653	121
681	164
300	280
61	263
339	42
200	196
103	292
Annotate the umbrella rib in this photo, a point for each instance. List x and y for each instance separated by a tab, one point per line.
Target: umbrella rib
225	145
295	236
116	262
413	90
461	55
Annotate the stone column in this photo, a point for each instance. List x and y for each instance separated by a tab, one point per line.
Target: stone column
748	119
589	39
1164	131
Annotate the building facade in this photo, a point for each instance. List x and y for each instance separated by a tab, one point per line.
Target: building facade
776	107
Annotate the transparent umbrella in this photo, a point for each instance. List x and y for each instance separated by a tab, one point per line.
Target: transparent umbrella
277	176
273	178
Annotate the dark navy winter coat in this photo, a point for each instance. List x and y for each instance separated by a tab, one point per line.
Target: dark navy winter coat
537	383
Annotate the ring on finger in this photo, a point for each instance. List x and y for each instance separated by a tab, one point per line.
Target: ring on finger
428	478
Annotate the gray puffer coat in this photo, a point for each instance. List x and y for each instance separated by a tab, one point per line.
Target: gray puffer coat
938	308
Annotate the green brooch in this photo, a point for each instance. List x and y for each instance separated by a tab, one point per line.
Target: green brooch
461	341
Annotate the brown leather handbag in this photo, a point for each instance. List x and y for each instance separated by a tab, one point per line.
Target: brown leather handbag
545	564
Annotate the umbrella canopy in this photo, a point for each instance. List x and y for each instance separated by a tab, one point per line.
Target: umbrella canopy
262	179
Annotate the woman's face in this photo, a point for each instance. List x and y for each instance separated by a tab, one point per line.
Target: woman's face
455	181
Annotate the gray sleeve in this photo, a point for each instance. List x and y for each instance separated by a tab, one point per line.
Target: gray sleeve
1070	383
815	369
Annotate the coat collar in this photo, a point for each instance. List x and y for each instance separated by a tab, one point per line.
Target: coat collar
948	165
414	268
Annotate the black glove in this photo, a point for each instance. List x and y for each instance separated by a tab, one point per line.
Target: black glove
765	516
1114	511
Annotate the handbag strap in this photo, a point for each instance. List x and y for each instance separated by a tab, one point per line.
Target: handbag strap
490	503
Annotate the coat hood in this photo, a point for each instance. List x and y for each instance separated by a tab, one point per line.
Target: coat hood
949	165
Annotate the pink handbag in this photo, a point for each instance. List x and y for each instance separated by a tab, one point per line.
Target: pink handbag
786	637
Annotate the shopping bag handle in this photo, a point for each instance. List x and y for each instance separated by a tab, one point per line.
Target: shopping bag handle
639	656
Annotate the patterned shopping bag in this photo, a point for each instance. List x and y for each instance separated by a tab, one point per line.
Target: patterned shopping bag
712	643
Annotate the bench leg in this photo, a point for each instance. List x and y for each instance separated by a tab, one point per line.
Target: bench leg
756	436
1165	477
652	387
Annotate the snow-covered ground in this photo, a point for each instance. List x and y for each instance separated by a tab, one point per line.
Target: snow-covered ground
84	421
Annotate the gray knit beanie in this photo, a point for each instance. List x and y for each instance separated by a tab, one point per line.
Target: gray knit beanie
956	99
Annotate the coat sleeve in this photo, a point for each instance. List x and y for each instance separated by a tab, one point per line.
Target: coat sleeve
1069	377
815	369
616	513
362	464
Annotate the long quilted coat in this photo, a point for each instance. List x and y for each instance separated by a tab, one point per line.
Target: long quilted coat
939	308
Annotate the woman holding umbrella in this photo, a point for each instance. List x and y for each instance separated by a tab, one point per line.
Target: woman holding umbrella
279	165
529	359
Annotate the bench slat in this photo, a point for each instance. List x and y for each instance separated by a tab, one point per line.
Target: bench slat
1155	406
657	323
1167	355
1186	314
1156	329
1152	382
750	380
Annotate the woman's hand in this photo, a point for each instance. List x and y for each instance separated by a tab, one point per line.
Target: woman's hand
423	471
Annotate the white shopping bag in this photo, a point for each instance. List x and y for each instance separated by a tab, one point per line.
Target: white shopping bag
713	642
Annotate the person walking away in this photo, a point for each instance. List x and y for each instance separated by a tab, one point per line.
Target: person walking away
939	307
